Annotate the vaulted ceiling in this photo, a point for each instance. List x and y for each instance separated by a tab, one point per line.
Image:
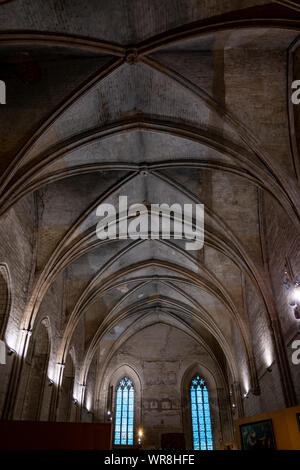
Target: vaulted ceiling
174	101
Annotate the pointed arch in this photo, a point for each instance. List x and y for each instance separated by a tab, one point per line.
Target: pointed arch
220	417
124	412
108	399
5	298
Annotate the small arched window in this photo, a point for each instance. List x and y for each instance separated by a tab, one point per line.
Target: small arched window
124	413
202	436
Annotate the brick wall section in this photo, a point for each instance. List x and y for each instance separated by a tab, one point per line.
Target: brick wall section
16	250
282	241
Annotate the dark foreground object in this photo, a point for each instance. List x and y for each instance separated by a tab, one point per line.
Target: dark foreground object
31	435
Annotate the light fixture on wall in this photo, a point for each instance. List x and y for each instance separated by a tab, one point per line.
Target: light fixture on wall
295	301
232	398
269	369
75	401
50	383
292	284
140	436
11	351
246	395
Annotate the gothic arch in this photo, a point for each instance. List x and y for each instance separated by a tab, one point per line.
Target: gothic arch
107	396
5	298
217	389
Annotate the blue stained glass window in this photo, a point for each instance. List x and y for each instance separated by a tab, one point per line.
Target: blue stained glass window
202	435
124	413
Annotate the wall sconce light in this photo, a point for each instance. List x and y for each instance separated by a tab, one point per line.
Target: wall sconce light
50	383
75	401
269	369
246	395
11	351
233	405
140	436
293	283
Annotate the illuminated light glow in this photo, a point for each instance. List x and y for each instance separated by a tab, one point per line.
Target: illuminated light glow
51	375
55	373
11	341
124	413
296	295
77	392
201	423
268	356
2	352
15	340
24	340
246	381
88	402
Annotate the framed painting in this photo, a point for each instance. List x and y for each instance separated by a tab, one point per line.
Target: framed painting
258	435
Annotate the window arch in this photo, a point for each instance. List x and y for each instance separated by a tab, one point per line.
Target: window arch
124	412
202	435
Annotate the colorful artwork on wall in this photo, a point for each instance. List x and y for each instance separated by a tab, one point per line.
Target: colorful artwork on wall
258	435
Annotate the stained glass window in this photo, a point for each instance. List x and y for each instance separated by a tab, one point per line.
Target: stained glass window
124	413
201	424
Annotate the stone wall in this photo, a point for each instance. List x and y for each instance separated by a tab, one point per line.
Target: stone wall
162	357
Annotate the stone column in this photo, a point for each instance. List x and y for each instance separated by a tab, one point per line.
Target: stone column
255	387
238	401
283	365
80	403
15	376
55	393
225	415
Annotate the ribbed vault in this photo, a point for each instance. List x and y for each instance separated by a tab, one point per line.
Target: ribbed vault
150	112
